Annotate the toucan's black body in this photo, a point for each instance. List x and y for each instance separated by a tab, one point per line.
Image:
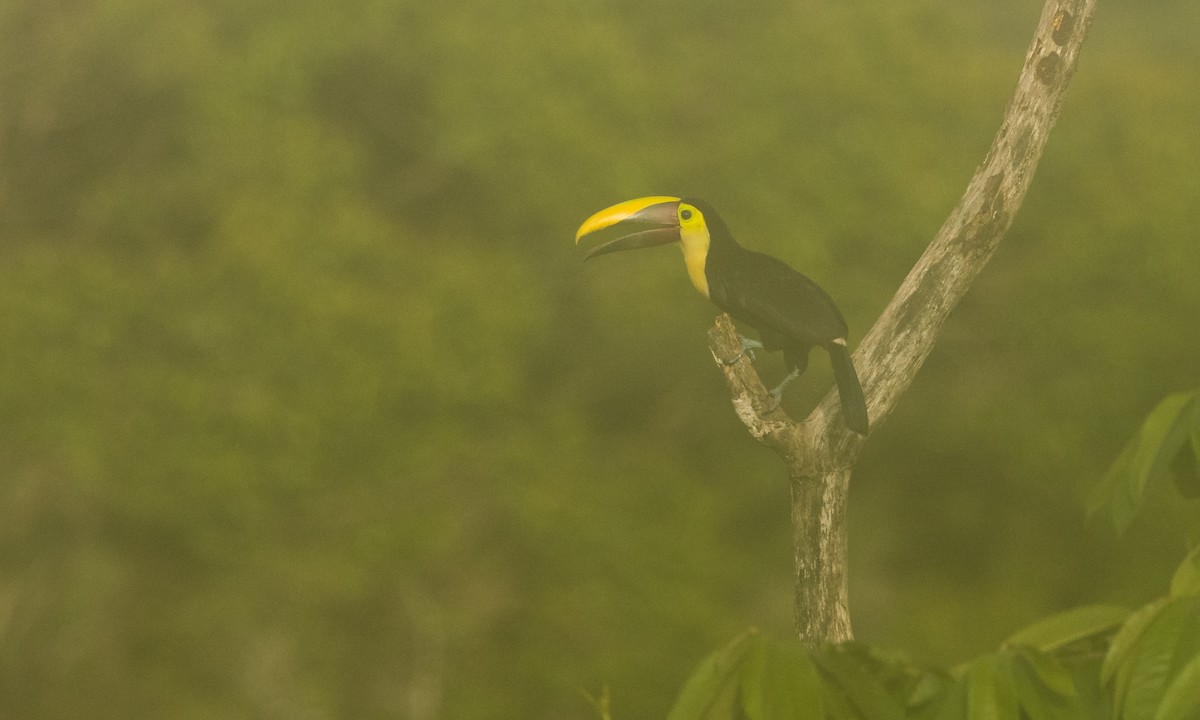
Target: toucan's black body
790	312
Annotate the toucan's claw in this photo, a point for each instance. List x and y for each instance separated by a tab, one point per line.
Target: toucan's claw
747	350
777	393
749	346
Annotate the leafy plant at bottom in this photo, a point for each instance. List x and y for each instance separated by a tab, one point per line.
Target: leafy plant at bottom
1097	662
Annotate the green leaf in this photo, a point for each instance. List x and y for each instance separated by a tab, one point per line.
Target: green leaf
1121	508
780	682
1181	701
1045	688
950	703
1155	658
601	702
1093	696
1183	467
1147	458
1065	628
907	683
1186	580
838	707
991	694
1048	671
754	677
1196	431
1129	633
848	681
1183	470
711	692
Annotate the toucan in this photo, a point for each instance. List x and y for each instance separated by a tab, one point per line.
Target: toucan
789	311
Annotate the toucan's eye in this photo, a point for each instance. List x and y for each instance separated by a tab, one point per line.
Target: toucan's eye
685	214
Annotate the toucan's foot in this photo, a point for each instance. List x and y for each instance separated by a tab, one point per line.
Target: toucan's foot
749	346
777	393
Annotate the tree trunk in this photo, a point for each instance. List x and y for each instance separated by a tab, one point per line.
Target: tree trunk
819	543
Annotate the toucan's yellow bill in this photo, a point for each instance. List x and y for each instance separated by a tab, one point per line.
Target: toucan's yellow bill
660	212
655	209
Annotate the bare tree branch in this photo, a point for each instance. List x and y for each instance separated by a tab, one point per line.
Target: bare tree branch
820	451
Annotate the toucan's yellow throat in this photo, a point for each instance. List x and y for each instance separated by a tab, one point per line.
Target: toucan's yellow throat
670	220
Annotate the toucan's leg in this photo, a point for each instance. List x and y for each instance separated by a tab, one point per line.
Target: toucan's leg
777	393
797	359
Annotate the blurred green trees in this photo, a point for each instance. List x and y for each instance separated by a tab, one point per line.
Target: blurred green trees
310	410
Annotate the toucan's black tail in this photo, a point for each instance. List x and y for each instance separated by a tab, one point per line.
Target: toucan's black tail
854	406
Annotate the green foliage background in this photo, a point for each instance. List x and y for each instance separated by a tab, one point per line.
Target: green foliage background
309	408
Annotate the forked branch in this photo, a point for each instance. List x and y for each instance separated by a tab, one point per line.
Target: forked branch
820	451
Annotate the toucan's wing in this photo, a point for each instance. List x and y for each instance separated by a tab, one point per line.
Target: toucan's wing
774	298
781	302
